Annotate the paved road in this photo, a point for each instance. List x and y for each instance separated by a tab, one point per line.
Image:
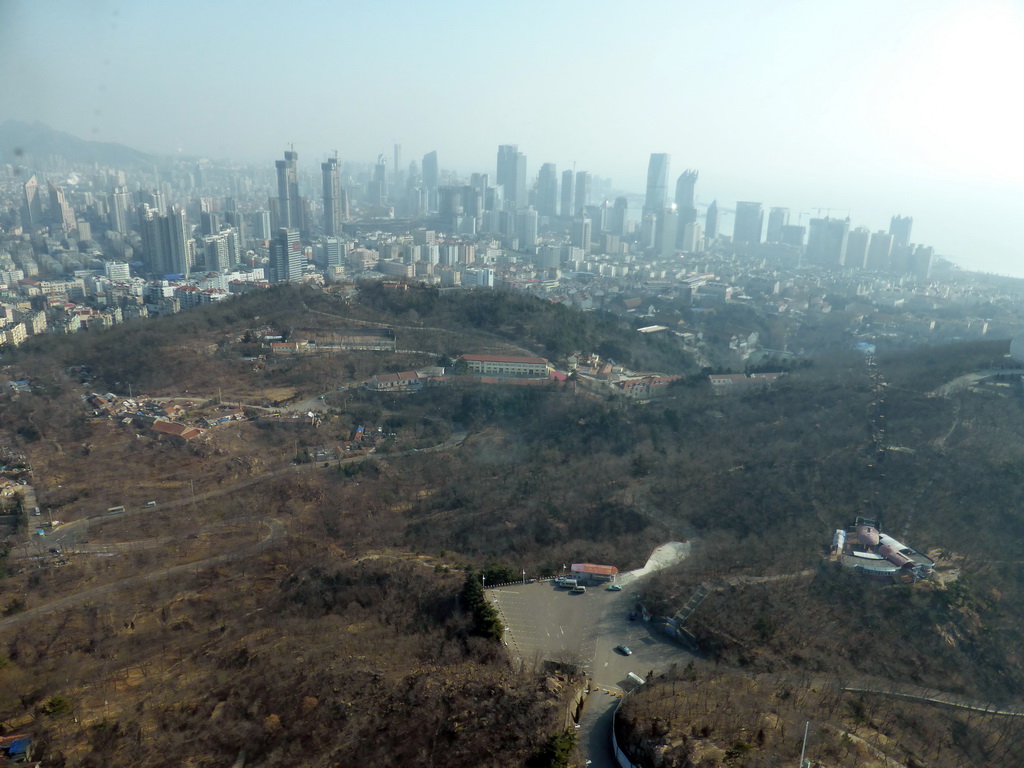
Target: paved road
595	731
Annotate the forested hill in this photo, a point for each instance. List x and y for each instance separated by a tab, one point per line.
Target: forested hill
548	328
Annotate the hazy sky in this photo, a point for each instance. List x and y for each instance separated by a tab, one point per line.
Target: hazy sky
876	106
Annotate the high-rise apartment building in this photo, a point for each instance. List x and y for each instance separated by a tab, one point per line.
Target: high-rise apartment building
62	217
777	219
657	183
526	229
581	232
880	252
794	234
120	204
512	174
899	228
857	245
749	223
167	242
826	242
547	190
332	197
287	262
289	206
568	194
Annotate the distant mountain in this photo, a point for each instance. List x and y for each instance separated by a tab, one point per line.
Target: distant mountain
31	143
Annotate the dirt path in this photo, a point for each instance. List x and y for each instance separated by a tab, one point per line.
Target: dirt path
275	533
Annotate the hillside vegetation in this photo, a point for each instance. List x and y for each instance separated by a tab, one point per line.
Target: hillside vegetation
276	608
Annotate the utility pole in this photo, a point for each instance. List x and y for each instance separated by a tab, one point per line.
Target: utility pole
803	749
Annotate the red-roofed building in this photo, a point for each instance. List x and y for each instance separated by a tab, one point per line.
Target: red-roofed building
172	429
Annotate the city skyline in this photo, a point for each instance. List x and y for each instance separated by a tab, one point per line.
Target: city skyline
890	109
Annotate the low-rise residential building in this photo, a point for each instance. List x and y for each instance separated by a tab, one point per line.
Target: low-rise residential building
507	365
395	382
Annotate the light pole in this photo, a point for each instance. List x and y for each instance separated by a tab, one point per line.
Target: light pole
483	581
524	575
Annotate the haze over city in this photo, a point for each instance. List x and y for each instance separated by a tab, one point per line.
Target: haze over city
869	107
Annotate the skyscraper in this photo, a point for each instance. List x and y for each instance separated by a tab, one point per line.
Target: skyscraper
119	206
749	223
568	194
685	196
287	261
618	221
430	179
899	228
332	197
584	181
512	174
657	183
32	207
711	221
289	209
547	190
777	219
396	169
430	172
379	183
827	241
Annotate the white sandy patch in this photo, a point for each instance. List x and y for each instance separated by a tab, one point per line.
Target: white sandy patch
667	554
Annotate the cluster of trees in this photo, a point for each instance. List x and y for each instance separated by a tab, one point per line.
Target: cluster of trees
702	717
486	622
552	329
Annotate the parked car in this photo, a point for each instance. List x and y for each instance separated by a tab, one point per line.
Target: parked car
625	650
614	588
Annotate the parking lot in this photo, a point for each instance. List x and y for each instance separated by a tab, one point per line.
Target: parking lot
545	622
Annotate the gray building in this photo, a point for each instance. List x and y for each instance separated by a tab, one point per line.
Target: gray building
827	241
749	223
287	262
657	183
332	197
289	206
512	174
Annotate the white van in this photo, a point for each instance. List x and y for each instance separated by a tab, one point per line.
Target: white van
579	589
